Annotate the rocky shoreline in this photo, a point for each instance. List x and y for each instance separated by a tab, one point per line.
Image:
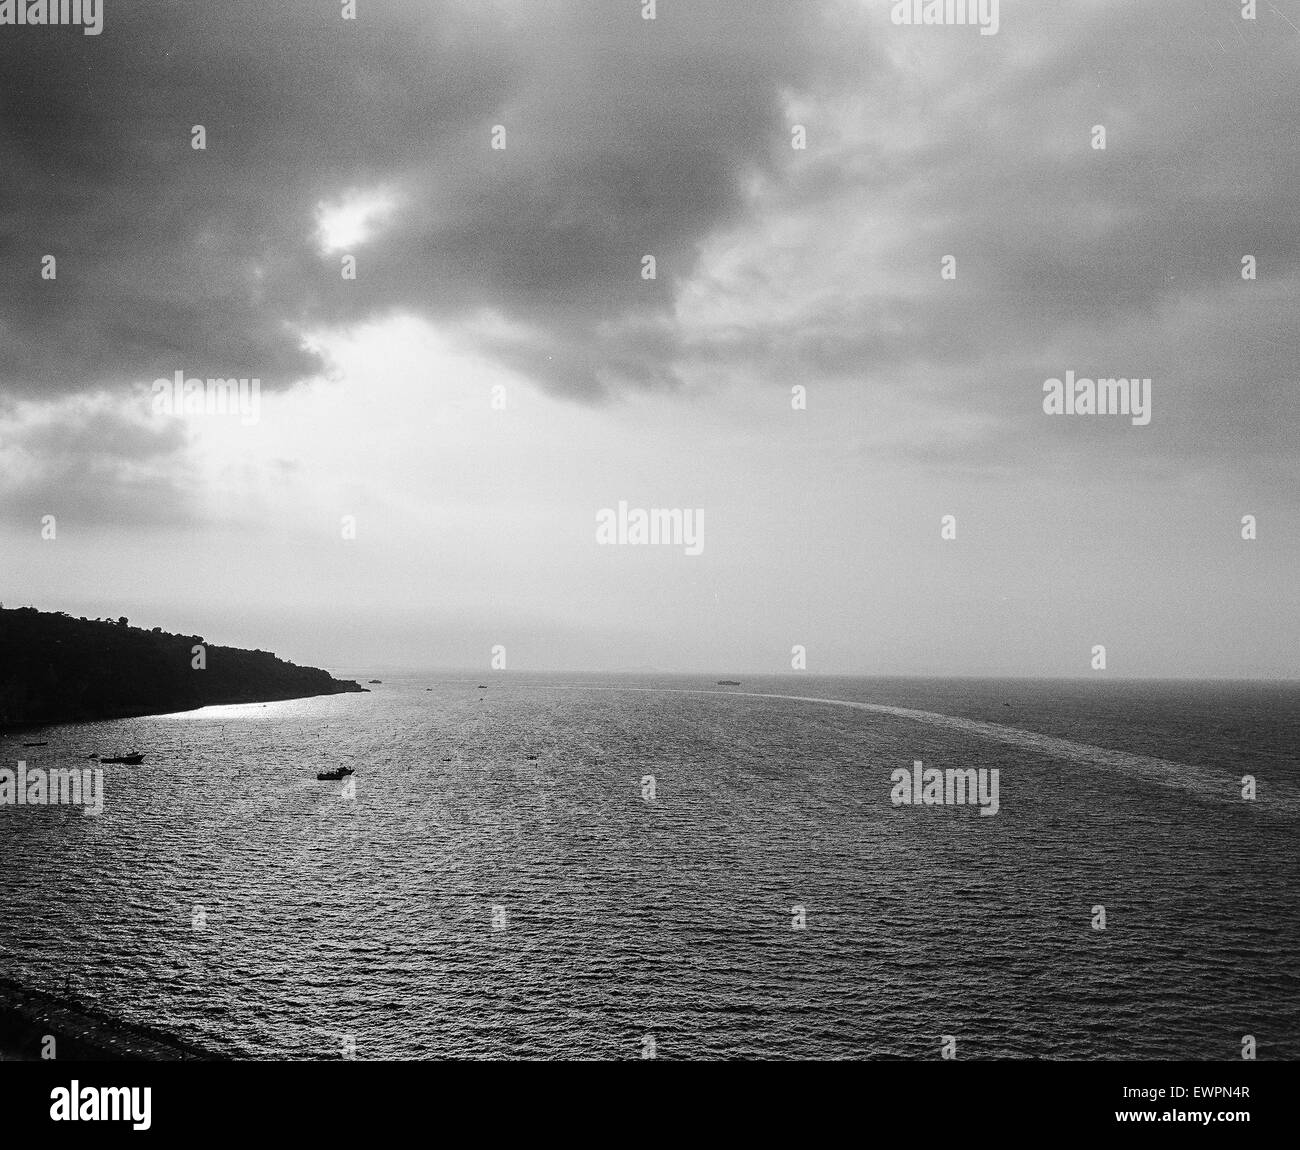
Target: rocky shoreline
81	1032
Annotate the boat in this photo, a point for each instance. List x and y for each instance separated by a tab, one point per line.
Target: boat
36	744
338	773
379	681
728	683
128	760
482	686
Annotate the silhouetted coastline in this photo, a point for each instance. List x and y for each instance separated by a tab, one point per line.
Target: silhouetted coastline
57	669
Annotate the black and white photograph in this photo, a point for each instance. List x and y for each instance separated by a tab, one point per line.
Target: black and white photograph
561	533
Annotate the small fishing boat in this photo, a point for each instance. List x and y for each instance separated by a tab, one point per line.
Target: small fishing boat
728	683
128	760
338	773
36	744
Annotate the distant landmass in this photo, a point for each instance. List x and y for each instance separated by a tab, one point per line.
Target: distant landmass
57	669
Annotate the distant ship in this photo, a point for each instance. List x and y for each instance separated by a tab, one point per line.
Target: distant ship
379	681
728	683
130	760
341	772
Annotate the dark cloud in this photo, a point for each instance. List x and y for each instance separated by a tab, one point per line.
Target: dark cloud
625	137
89	462
629	137
1111	262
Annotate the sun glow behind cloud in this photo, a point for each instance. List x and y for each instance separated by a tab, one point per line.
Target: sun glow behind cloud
353	219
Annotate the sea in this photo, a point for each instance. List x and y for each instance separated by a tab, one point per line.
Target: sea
529	866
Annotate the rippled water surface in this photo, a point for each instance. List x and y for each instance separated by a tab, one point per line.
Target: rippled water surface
371	917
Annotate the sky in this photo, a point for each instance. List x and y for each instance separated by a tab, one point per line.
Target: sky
808	375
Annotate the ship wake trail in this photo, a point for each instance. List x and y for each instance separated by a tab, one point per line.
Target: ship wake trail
1200	782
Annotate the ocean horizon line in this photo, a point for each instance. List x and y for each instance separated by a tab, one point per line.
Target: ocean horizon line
351	670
